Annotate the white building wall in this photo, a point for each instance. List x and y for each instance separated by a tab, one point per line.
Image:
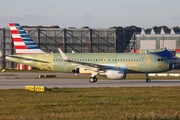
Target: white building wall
148	44
168	44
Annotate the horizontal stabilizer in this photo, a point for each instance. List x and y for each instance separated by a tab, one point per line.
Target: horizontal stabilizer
24	58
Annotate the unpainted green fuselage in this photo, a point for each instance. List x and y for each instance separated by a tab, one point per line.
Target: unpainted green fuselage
148	63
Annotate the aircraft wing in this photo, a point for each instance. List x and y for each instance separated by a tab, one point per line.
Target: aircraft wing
91	64
85	64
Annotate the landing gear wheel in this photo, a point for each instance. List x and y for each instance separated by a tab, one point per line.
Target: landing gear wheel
91	79
148	80
95	79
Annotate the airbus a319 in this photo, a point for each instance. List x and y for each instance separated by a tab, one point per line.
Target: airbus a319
111	65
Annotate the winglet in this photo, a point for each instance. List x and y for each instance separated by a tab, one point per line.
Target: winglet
65	58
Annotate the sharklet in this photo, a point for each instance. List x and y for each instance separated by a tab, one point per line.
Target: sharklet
65	58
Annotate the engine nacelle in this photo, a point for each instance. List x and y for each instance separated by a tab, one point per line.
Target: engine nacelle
116	74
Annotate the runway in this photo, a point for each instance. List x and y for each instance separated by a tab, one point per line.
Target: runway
23	79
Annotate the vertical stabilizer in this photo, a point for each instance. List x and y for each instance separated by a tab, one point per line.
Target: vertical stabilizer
23	44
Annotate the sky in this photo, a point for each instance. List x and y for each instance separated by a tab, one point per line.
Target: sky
92	13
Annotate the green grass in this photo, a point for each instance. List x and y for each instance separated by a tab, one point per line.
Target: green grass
92	103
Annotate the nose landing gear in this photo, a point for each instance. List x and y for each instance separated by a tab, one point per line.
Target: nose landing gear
147	78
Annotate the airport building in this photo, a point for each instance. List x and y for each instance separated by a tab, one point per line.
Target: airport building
89	40
157	40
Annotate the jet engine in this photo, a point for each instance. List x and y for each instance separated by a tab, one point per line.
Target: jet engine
116	74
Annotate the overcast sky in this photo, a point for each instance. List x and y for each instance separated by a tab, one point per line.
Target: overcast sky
92	13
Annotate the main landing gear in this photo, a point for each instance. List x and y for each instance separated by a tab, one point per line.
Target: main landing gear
147	78
93	77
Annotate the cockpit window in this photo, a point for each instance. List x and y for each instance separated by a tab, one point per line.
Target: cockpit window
160	59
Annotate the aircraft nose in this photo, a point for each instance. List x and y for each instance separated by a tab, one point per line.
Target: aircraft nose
171	66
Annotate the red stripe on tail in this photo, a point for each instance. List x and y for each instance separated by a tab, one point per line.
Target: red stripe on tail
14	32
17	39
20	47
11	24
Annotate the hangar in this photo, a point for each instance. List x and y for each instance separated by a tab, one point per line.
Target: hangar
157	40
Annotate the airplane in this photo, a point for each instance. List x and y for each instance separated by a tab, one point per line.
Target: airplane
111	65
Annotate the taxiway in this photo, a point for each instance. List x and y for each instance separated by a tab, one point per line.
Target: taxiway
11	81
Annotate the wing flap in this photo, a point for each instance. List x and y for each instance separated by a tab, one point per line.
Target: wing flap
93	65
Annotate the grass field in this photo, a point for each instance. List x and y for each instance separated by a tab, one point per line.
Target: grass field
92	103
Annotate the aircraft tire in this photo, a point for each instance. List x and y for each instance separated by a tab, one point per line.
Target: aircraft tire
95	79
91	79
148	80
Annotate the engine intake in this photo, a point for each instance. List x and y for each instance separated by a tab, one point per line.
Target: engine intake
116	74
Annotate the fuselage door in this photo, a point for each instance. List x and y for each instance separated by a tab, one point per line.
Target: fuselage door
47	58
148	60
